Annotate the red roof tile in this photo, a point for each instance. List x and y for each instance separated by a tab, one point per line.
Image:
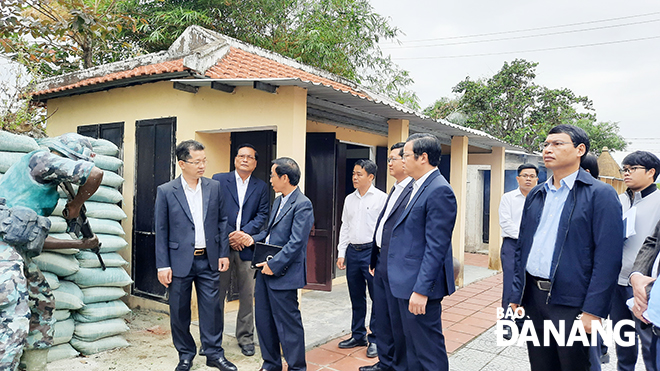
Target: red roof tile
237	64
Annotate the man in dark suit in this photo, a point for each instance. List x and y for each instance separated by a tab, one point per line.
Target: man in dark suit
192	246
246	206
645	272
391	345
276	297
419	262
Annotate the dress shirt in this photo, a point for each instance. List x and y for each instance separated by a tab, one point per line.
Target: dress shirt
418	183
397	190
358	220
511	209
194	198
241	189
282	203
539	262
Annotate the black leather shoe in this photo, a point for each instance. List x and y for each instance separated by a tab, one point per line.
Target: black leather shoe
372	351
247	349
352	343
202	352
184	365
221	364
375	367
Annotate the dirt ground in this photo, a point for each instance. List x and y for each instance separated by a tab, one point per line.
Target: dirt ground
151	349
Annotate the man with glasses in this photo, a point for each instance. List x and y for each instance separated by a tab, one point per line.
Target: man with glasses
641	212
391	345
568	256
511	208
246	206
192	246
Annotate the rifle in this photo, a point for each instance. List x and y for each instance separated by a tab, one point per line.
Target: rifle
80	225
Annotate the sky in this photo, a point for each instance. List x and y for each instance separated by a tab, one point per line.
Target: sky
620	76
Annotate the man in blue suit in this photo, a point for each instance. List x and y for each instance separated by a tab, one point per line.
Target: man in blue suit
246	206
192	246
419	262
391	345
276	297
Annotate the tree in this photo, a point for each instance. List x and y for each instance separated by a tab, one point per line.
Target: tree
17	113
340	36
60	36
512	107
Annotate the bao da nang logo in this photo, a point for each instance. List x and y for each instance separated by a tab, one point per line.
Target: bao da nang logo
513	327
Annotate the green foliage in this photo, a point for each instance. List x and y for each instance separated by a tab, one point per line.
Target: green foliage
60	36
340	36
17	113
510	106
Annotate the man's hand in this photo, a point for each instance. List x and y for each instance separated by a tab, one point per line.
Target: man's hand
247	239
265	269
586	321
340	263
165	277
513	306
417	303
223	264
639	283
236	240
372	271
72	210
89	243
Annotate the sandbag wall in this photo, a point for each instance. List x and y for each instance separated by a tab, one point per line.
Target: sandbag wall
87	298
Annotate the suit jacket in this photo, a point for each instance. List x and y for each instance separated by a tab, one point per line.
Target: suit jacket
420	256
175	230
388	223
290	229
255	206
587	257
648	253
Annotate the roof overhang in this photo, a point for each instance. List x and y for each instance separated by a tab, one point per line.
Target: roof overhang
342	108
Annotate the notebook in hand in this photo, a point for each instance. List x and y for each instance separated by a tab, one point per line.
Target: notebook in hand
263	252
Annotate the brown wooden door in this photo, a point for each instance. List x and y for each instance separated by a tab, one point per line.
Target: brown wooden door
320	187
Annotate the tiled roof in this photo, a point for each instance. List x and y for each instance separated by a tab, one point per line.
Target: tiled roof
153	69
239	64
236	64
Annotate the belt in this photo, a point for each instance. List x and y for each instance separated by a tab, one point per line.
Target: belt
361	246
199	252
542	283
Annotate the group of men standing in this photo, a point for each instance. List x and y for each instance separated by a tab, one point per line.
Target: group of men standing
205	227
399	246
574	251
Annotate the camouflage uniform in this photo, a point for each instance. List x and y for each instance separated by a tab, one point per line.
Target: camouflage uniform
14	311
32	182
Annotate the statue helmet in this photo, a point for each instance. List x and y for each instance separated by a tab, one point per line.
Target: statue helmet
71	145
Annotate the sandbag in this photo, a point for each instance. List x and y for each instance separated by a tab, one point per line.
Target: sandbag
61	314
101	210
103	194
104	147
61	265
63	331
62	351
53	281
93	347
88	259
57	224
111	243
68	296
66	237
10	142
101	311
107	162
106	226
100	294
9	158
111	179
92	331
89	277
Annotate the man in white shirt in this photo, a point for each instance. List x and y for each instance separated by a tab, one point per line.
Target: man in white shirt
641	213
511	208
358	223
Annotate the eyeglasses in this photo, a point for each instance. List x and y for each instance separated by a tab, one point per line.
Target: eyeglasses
407	154
631	169
527	176
392	159
556	144
196	163
246	157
